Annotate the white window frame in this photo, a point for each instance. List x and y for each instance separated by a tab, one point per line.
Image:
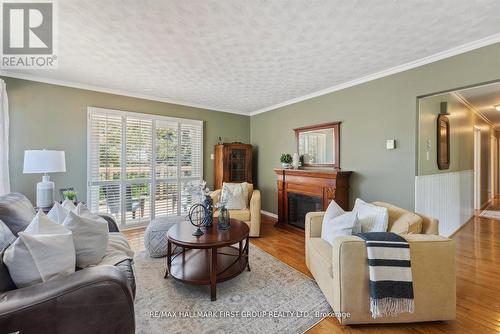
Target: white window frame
153	180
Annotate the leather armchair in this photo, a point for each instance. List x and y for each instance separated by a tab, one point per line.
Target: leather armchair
250	215
98	299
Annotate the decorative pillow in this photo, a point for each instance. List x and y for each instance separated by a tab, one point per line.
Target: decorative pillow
82	211
338	226
44	251
401	221
332	211
6	236
68	205
235	195
90	237
42	224
58	213
371	218
16	211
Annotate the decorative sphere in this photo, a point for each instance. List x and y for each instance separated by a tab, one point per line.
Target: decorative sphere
196	214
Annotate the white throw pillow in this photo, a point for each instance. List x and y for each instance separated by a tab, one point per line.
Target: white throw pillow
82	211
333	210
41	224
6	236
235	195
90	237
58	213
371	218
68	205
44	251
338	226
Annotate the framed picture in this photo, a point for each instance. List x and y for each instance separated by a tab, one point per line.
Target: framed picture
443	142
61	193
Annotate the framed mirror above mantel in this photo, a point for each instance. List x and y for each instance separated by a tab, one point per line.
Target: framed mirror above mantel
319	145
319	181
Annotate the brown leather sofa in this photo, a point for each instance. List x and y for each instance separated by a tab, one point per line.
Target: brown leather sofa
98	299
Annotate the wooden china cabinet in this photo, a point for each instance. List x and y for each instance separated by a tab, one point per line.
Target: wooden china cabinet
233	163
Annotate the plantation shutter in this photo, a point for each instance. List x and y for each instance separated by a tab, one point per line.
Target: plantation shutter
166	168
190	155
104	163
139	165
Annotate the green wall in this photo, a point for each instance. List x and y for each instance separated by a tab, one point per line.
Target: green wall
50	116
462	123
54	117
372	112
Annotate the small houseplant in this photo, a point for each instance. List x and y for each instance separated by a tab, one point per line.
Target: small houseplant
286	160
70	195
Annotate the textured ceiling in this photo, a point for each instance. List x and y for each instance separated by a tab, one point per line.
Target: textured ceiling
484	99
242	56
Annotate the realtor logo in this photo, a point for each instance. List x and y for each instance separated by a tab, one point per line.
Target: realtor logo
28	35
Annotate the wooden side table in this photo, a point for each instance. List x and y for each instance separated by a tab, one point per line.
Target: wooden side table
210	258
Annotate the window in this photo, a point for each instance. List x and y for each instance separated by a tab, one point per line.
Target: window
138	165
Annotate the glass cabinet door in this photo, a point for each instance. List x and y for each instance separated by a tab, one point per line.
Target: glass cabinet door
237	163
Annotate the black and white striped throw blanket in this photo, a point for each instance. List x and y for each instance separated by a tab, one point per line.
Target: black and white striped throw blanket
391	284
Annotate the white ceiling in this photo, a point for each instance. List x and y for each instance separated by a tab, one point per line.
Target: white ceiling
484	99
248	56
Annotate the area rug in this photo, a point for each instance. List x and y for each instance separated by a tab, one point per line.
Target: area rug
490	214
271	298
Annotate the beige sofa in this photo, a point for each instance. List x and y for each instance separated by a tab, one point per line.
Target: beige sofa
341	271
250	215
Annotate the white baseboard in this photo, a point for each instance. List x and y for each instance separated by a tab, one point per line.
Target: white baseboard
270	214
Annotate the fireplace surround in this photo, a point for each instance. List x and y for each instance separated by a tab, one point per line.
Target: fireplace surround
318	185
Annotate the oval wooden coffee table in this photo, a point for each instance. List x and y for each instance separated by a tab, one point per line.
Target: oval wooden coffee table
210	258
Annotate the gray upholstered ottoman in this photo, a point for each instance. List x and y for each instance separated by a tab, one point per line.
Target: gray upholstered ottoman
155	237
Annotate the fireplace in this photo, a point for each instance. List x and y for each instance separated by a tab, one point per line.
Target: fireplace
299	205
306	190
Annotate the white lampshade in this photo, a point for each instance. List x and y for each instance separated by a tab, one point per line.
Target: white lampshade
44	161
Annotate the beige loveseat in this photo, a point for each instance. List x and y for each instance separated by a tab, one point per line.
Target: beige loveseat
250	215
341	271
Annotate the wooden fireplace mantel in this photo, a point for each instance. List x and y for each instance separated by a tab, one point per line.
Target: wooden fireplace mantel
327	184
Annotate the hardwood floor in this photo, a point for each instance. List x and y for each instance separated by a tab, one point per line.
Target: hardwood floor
477	265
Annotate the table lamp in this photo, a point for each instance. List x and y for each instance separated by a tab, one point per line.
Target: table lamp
44	161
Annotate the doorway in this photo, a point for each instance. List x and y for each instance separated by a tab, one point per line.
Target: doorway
493	168
477	168
455	192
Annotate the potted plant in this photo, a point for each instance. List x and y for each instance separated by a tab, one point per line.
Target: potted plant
70	195
286	160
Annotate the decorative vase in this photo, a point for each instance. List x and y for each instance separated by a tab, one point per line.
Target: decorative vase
296	161
208	203
224	218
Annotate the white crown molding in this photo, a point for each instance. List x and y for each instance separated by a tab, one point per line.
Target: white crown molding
393	70
112	91
471	107
396	69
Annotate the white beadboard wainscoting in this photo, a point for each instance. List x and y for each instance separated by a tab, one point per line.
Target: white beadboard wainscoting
447	197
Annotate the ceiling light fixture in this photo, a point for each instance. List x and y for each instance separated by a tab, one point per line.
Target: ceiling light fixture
497	107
